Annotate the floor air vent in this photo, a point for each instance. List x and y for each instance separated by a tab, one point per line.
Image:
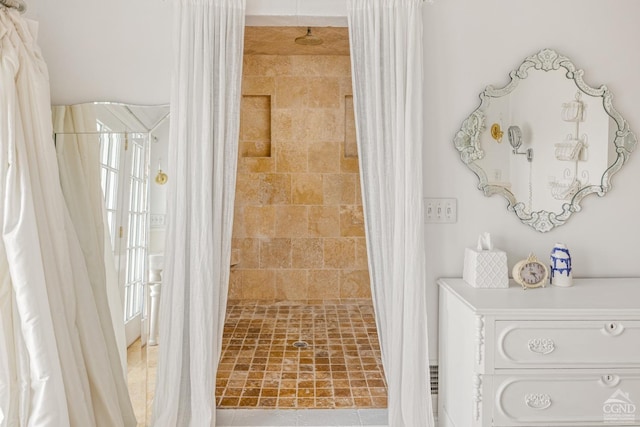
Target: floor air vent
433	378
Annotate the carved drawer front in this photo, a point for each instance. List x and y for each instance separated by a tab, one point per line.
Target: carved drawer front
571	344
559	399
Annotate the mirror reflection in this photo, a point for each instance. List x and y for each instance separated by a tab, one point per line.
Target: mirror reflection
545	140
127	146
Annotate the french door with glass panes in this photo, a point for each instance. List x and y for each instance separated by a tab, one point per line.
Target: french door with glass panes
123	159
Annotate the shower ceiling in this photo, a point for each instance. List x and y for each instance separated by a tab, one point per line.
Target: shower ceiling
280	41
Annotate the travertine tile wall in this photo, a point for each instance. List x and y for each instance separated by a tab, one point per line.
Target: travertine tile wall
298	224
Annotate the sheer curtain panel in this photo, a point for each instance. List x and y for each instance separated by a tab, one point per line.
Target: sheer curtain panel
203	147
79	164
56	368
387	64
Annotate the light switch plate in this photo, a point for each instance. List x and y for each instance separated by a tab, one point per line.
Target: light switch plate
440	210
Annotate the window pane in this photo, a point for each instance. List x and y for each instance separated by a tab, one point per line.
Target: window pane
114	154
104	150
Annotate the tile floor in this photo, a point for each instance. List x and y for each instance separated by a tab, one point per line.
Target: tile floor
261	368
137	380
279	383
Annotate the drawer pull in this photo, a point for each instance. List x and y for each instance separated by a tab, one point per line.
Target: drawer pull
537	401
541	346
613	328
610	380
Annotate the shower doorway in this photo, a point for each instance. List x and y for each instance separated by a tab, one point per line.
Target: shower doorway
300	328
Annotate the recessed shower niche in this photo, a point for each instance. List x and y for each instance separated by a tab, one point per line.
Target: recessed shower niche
255	126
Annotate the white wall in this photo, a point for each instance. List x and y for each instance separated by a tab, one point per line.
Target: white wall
470	44
119	50
97	50
158	193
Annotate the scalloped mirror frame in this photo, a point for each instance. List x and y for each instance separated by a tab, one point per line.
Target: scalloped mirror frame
467	141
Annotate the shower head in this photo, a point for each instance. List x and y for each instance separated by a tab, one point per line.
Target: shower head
308	39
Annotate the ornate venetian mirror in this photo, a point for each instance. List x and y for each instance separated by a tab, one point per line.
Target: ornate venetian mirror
545	140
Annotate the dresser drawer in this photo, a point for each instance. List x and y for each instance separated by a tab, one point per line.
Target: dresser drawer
570	344
567	399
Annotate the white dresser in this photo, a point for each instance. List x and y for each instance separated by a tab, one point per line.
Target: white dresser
541	357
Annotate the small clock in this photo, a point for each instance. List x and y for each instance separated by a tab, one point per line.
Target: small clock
530	273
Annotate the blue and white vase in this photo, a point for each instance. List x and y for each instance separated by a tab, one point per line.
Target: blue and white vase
561	266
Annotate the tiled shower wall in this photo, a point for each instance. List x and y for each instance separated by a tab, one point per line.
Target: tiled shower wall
298	224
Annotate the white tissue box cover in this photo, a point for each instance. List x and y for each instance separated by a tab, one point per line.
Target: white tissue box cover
485	268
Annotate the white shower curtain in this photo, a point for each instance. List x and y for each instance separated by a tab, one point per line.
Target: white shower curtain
387	63
55	366
205	120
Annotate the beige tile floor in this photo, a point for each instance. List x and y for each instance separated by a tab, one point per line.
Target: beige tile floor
260	367
137	379
141	378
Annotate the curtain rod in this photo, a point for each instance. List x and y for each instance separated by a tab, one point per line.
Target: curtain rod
19	5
